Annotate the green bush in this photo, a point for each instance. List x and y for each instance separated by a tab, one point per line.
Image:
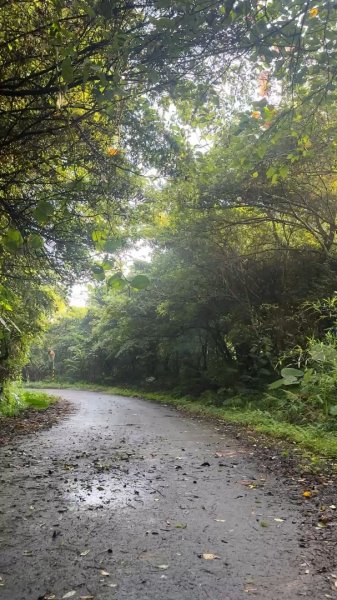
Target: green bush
310	392
11	401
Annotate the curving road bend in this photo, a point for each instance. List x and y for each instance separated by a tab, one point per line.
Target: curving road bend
126	499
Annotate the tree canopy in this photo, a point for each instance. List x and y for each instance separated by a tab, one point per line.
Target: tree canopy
205	130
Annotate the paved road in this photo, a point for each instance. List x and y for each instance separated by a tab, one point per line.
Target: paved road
126	499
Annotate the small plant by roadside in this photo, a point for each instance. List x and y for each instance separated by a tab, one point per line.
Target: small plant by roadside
310	391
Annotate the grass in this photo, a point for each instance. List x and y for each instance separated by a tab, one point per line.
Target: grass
15	399
309	438
37	400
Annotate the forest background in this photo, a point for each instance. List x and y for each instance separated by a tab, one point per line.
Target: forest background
204	132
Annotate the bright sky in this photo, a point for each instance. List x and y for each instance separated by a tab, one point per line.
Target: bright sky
79	295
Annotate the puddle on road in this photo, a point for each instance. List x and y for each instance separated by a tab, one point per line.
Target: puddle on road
100	493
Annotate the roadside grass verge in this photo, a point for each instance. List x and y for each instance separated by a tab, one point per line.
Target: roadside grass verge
15	399
312	440
37	400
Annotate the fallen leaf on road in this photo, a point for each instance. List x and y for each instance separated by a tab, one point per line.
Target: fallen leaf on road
220	520
307	494
104	573
264	524
279	520
87	597
209	556
69	594
163	567
248	483
181	526
84	553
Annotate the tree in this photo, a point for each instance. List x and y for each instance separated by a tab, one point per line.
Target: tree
84	86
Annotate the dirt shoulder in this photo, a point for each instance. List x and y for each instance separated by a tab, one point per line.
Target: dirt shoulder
31	420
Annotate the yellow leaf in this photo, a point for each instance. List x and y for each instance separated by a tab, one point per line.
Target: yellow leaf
209	556
307	494
256	114
313	12
162	220
112	151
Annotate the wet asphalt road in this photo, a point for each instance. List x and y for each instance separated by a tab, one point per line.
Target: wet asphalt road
126	499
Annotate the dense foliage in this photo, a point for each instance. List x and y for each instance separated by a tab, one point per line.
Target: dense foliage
104	108
241	281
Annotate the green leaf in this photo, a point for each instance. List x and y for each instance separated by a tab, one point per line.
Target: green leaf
13	239
283	171
290	380
98	272
289	372
107	264
67	70
5	305
89	10
271	171
163	23
255	174
333	410
98	235
35	241
43	211
276	384
140	282
116	281
111	245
